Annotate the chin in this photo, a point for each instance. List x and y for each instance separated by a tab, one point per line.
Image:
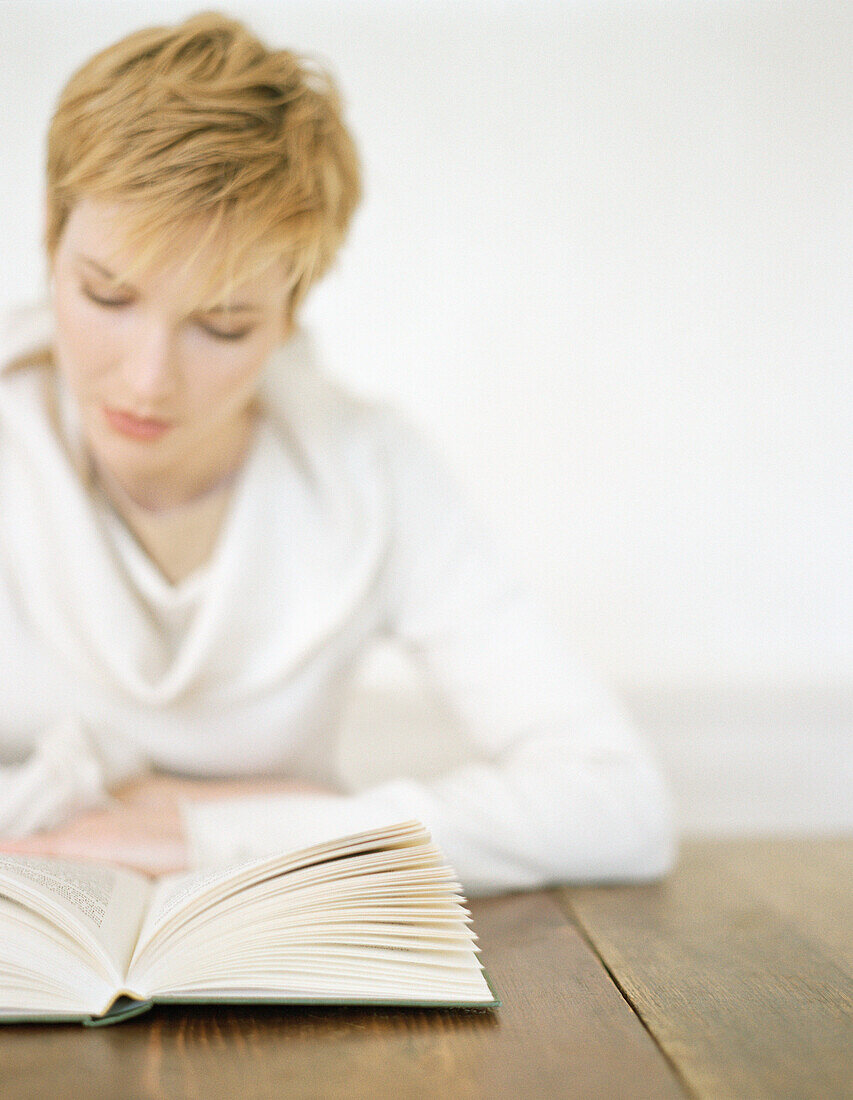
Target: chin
118	454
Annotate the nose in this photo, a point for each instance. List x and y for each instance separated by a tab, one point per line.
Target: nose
151	370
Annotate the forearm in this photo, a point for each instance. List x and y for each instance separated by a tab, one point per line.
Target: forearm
61	778
542	814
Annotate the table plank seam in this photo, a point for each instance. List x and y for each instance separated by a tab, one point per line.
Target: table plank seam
567	907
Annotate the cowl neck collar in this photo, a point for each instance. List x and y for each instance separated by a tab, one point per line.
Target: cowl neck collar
304	535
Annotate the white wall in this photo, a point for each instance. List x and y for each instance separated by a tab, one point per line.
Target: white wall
605	259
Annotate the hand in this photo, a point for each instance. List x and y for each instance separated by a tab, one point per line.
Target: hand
131	833
143	828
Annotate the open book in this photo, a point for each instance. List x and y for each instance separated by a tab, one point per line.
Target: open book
372	918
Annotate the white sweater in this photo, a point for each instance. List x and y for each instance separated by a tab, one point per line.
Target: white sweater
345	527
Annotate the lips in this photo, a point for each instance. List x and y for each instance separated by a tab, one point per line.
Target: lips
134	426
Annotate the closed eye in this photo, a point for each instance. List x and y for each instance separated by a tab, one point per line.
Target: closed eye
106	301
115	302
227	335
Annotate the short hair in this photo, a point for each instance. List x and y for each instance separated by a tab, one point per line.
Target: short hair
202	124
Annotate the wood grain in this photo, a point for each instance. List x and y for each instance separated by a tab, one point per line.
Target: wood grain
739	965
807	880
564	1030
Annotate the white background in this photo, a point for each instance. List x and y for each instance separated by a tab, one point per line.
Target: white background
604	258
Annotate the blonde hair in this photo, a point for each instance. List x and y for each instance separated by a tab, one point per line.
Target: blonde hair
202	126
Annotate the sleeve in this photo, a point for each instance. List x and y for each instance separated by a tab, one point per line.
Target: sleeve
560	786
61	778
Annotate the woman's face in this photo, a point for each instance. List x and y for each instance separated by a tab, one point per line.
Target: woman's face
163	392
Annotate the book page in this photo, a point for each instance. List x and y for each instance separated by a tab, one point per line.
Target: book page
167	894
178	897
374	915
45	970
100	905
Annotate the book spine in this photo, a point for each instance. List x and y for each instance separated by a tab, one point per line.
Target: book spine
121	1009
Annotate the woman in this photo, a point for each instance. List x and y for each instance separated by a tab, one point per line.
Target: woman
201	533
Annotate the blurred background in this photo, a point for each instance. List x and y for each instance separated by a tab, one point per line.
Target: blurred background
605	259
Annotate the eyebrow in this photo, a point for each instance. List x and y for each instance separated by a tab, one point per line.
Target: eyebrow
235	307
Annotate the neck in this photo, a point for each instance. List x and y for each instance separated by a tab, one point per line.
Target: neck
164	491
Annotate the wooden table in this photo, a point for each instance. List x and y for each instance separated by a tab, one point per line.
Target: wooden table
732	979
